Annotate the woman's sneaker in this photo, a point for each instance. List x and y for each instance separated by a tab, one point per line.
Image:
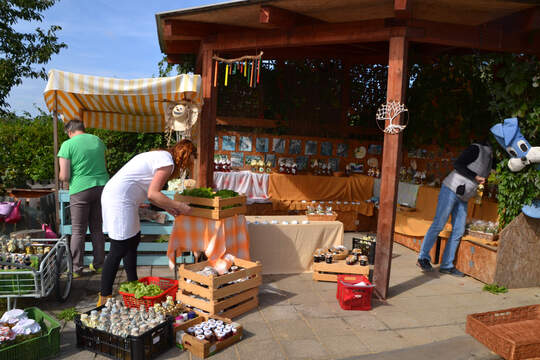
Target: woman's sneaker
94	269
424	264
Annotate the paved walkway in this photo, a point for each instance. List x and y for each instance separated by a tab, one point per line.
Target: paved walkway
298	318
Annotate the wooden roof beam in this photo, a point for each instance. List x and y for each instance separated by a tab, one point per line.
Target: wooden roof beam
402	9
282	18
474	37
195	30
182	46
522	21
308	35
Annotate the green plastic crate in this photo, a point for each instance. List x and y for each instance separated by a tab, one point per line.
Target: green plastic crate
44	347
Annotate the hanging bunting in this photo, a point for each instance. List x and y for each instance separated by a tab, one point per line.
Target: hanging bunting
249	65
258	70
215	74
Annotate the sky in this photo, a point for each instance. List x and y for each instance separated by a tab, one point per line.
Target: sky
115	38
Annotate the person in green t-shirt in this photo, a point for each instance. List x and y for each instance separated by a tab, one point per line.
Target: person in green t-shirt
82	163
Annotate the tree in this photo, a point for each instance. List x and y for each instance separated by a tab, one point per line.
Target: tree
20	51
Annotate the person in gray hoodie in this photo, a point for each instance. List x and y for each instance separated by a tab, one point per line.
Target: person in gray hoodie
470	169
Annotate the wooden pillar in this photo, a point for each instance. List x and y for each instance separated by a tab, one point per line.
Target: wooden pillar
207	128
391	162
56	165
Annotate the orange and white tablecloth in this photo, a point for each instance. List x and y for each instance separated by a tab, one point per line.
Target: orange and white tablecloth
214	237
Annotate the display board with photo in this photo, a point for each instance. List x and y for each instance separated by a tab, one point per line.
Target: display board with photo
249	158
228	143
375	149
311	147
326	148
261	145
302	162
278	145
295	147
334	164
342	149
237	159
246	143
270	158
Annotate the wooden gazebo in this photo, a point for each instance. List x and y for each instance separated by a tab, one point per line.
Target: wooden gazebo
359	31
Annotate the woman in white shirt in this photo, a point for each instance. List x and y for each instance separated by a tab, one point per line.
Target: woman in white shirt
139	179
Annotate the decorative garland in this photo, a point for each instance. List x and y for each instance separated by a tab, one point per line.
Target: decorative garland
248	65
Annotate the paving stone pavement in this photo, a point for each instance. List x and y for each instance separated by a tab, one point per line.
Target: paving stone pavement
423	318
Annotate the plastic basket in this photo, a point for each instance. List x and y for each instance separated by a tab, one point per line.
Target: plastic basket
169	287
45	346
147	346
351	296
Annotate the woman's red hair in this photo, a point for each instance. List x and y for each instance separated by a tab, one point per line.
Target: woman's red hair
181	154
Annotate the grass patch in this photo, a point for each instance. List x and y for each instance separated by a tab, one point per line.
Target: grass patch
495	289
68	314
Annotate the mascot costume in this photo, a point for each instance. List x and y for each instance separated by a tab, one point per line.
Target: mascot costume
522	154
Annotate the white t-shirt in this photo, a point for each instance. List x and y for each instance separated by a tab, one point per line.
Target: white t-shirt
127	190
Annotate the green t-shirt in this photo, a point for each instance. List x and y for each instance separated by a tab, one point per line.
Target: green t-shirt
86	153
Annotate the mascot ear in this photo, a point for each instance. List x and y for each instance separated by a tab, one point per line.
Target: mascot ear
497	131
510	129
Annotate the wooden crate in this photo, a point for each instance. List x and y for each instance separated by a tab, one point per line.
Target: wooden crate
217	204
483	235
204	348
511	333
329	272
219	298
477	260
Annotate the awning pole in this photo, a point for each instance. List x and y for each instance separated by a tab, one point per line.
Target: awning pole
56	170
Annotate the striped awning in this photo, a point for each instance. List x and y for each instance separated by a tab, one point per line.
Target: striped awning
116	104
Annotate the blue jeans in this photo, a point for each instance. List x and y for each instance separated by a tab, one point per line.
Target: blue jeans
449	204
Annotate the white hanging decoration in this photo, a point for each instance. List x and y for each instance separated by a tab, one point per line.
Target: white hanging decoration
391	111
181	116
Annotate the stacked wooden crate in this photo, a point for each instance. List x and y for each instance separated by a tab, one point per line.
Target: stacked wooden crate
215	208
227	295
329	272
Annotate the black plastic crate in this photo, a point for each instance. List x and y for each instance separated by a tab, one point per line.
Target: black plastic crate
147	346
368	248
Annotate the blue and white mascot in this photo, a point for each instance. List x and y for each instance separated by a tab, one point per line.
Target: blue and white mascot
522	154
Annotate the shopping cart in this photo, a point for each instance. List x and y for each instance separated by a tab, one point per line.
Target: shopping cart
54	273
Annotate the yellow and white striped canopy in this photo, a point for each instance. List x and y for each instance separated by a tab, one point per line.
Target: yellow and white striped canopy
116	104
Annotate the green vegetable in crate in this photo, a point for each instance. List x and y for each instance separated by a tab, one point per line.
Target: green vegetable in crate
199	192
138	289
208	193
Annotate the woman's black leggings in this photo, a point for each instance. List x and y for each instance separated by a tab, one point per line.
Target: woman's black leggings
120	250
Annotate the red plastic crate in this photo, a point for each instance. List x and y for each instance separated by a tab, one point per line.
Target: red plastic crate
169	287
351	296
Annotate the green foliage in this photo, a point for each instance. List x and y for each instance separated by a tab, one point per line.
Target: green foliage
187	66
122	146
515	93
68	314
20	51
26	149
495	289
448	102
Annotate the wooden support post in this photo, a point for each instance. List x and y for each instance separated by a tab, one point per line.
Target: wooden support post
56	165
396	84
207	128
